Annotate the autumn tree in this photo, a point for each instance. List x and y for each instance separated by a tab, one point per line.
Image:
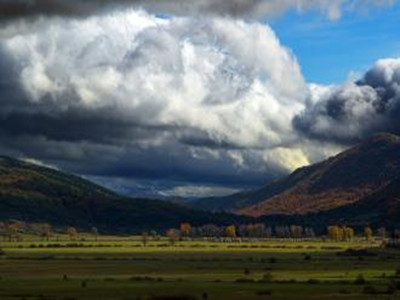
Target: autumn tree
185	229
296	231
45	231
230	231
154	235
348	233
172	235
12	230
3	231
333	232
368	233
72	233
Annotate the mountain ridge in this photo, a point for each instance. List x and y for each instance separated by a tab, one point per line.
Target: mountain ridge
33	193
338	181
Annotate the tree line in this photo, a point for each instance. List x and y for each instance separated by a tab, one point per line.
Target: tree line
333	232
14	230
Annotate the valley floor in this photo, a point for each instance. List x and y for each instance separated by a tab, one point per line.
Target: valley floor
122	268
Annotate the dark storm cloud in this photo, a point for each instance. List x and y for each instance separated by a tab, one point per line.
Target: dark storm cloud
13	9
19	116
354	111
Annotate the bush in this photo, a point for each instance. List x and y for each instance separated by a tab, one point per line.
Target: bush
109	279
370	290
272	260
173	297
268	277
264	293
313	281
360	280
393	286
244	280
145	278
397	274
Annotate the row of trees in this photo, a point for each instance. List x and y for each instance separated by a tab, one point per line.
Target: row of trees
258	230
13	231
335	232
345	233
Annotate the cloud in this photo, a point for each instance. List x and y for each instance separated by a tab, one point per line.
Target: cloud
133	99
38	163
131	95
355	110
13	9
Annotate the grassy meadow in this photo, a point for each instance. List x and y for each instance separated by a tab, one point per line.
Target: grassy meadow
123	268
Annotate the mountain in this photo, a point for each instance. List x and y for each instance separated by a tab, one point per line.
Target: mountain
381	208
337	182
33	193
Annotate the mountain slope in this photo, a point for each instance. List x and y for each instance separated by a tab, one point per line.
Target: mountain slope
381	208
336	182
247	198
33	193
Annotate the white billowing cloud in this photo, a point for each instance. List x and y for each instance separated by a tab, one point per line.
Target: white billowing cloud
221	89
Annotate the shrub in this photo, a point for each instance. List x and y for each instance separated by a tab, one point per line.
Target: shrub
370	290
313	281
397	274
173	297
145	278
393	286
268	277
244	280
264	293
109	279
272	260
360	280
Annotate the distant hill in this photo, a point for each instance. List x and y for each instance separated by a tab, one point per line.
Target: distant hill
33	193
337	182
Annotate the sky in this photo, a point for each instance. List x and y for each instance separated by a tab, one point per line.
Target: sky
318	41
194	98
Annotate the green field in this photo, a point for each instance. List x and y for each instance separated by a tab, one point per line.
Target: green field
122	268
